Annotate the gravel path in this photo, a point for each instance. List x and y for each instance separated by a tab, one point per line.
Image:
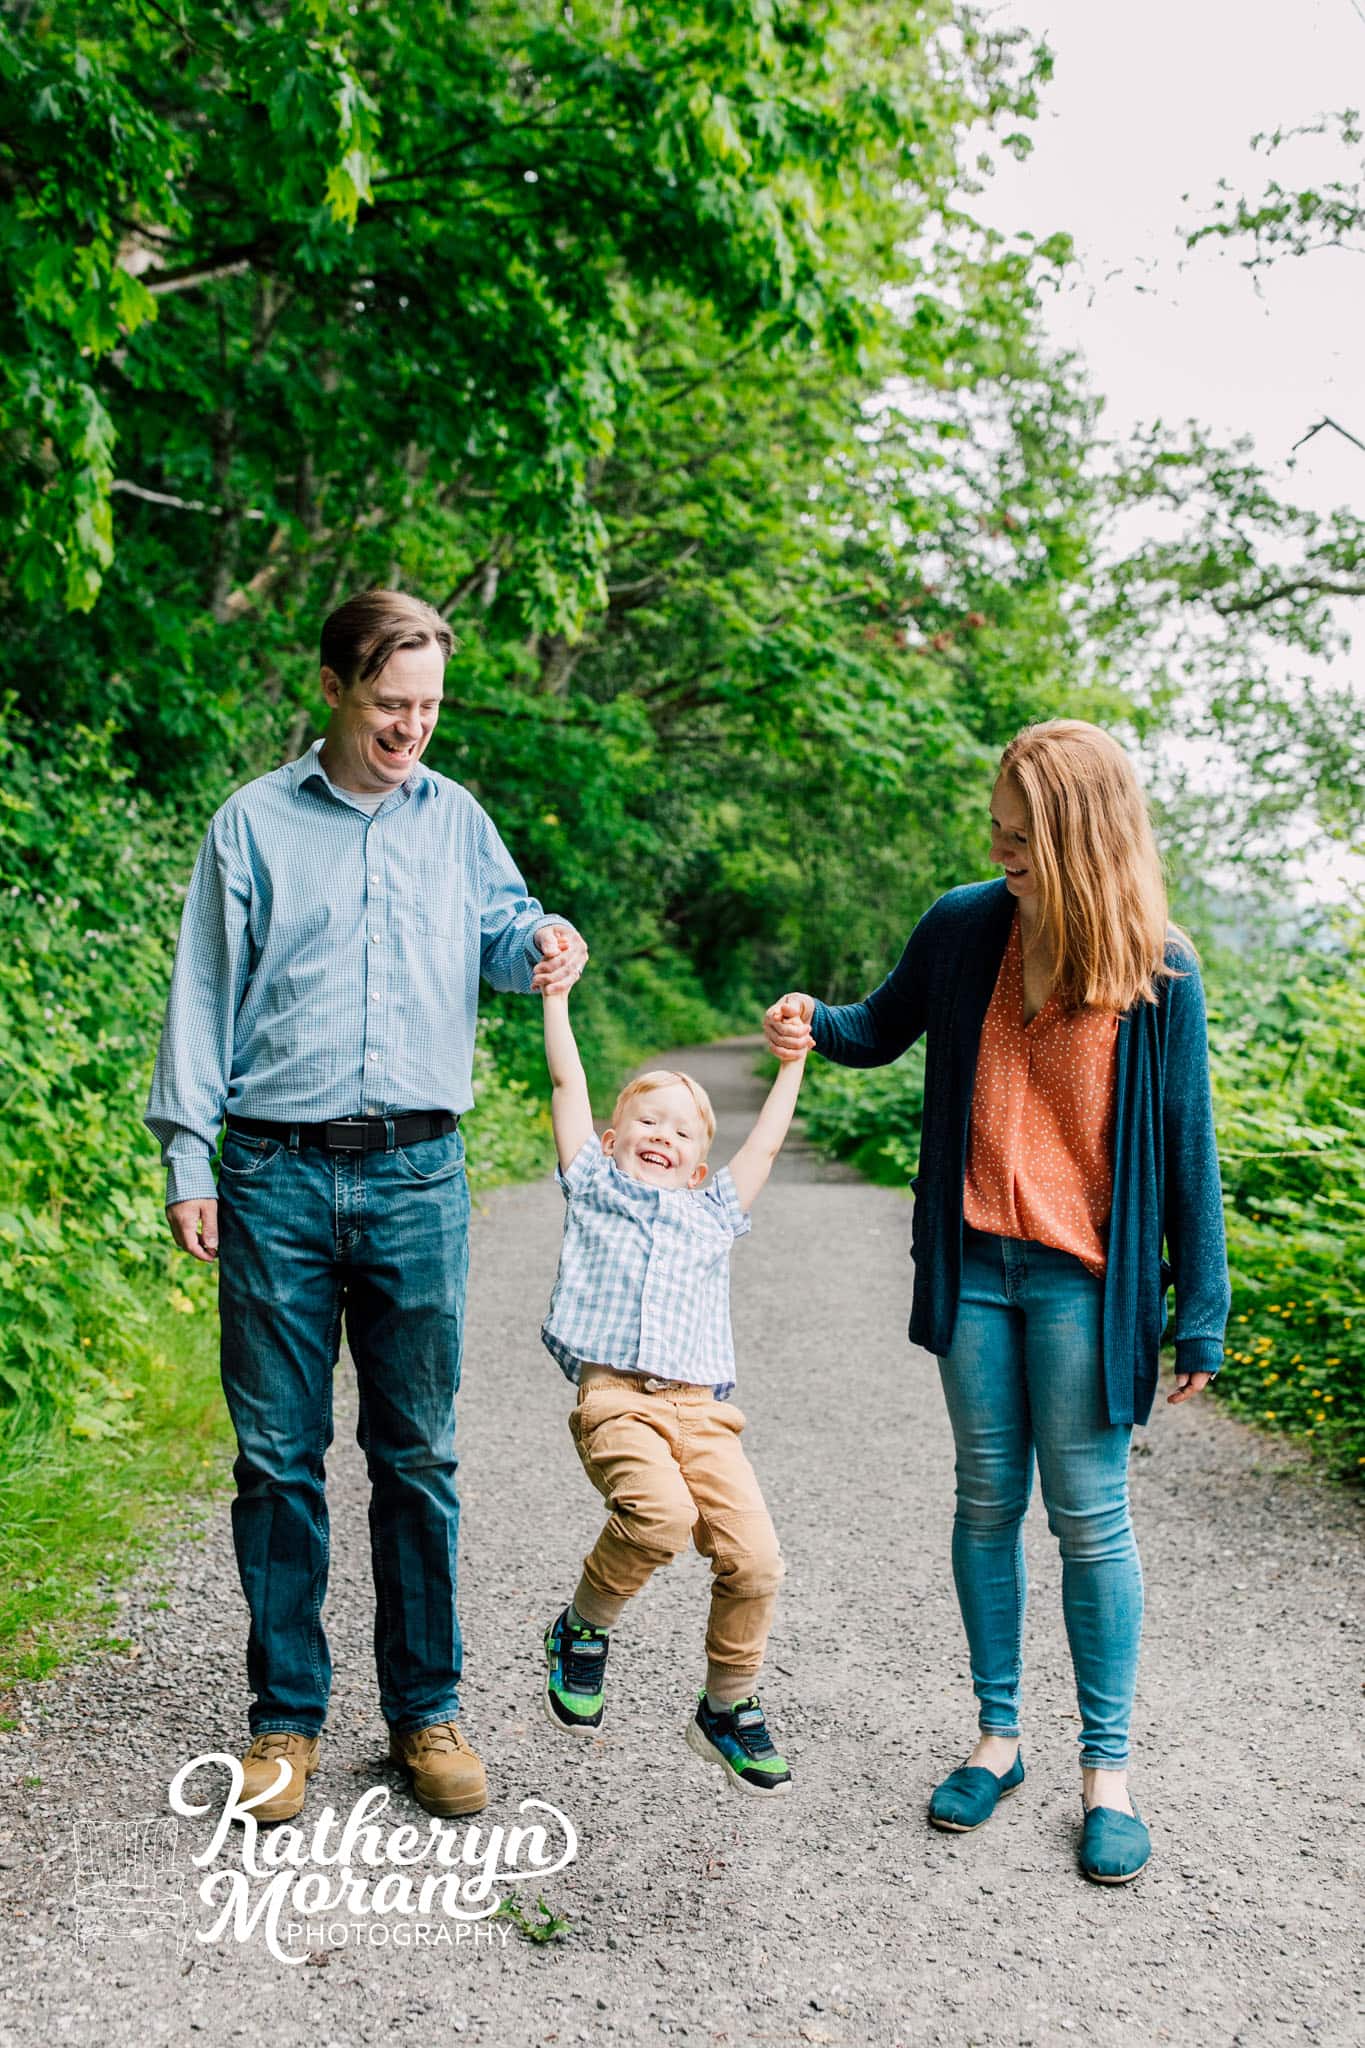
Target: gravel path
837	1916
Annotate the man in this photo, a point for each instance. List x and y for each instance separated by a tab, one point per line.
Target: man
324	997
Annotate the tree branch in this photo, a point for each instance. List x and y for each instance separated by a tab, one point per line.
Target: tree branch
626	597
1327	421
1297	586
132	490
159	282
714	370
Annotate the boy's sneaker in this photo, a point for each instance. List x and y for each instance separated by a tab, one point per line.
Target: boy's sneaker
738	1740
576	1660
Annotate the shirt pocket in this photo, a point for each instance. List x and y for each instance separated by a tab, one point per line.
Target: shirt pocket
430	893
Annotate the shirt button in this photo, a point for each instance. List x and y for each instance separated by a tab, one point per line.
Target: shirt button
375	880
374	938
372	1057
376	995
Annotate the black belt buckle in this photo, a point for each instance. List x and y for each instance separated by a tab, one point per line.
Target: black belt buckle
348	1134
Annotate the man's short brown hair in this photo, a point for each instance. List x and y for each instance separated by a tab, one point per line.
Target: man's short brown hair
360	636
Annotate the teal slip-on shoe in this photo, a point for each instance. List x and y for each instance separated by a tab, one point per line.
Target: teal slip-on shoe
1114	1846
969	1796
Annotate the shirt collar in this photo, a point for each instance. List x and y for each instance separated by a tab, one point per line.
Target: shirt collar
308	768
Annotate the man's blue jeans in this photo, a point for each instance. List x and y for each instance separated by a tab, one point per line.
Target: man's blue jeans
305	1235
1024	1377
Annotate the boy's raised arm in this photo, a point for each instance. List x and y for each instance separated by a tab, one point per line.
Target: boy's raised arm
570	1107
751	1165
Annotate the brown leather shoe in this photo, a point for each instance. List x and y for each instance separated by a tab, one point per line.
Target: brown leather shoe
261	1767
446	1775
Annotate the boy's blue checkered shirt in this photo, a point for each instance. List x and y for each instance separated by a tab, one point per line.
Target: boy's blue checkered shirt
644	1275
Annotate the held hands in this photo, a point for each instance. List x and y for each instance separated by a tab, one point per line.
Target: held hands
786	1026
194	1226
566	955
1187	1385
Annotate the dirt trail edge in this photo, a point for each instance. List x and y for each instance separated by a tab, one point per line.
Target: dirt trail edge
835	1916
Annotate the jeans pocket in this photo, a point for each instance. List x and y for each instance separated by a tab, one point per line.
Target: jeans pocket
245	1158
433	1159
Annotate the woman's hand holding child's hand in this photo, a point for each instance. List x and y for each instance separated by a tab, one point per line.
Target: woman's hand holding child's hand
786	1025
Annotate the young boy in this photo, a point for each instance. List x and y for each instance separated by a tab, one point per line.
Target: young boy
640	1321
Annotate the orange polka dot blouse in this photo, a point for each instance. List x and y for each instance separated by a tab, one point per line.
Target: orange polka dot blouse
1040	1154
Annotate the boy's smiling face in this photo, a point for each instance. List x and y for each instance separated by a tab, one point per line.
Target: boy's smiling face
660	1138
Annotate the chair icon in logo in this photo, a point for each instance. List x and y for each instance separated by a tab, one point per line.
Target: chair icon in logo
128	1880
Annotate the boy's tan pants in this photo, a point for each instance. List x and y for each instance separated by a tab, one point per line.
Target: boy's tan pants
667	1459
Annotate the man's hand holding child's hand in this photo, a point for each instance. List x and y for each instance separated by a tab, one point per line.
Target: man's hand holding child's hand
566	955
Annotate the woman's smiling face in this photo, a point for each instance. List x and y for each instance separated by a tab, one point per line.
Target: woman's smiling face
1010	838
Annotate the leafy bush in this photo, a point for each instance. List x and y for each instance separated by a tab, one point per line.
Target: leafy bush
87	913
870	1115
1289	1078
507	1133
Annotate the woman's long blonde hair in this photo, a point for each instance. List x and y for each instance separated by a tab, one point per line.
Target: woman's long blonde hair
1103	922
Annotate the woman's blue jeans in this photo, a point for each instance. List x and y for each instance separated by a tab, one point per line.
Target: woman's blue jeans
1024	1377
306	1236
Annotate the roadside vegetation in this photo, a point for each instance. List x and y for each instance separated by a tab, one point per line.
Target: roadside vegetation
667	357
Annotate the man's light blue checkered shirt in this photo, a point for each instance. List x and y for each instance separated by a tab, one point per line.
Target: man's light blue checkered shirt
329	960
644	1275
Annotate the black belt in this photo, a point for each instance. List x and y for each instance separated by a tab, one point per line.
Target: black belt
355	1133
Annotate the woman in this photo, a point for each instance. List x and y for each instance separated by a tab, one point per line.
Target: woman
1068	1129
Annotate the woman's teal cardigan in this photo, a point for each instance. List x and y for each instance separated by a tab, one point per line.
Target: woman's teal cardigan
1166	1184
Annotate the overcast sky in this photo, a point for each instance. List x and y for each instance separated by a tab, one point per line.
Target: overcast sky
1147	110
1150	105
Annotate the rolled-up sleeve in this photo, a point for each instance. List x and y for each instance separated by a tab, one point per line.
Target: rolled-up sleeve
194	1059
509	918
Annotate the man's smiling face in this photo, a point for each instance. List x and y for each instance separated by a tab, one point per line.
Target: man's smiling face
660	1138
379	729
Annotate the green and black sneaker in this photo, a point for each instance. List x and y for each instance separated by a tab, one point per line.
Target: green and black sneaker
738	1740
576	1662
